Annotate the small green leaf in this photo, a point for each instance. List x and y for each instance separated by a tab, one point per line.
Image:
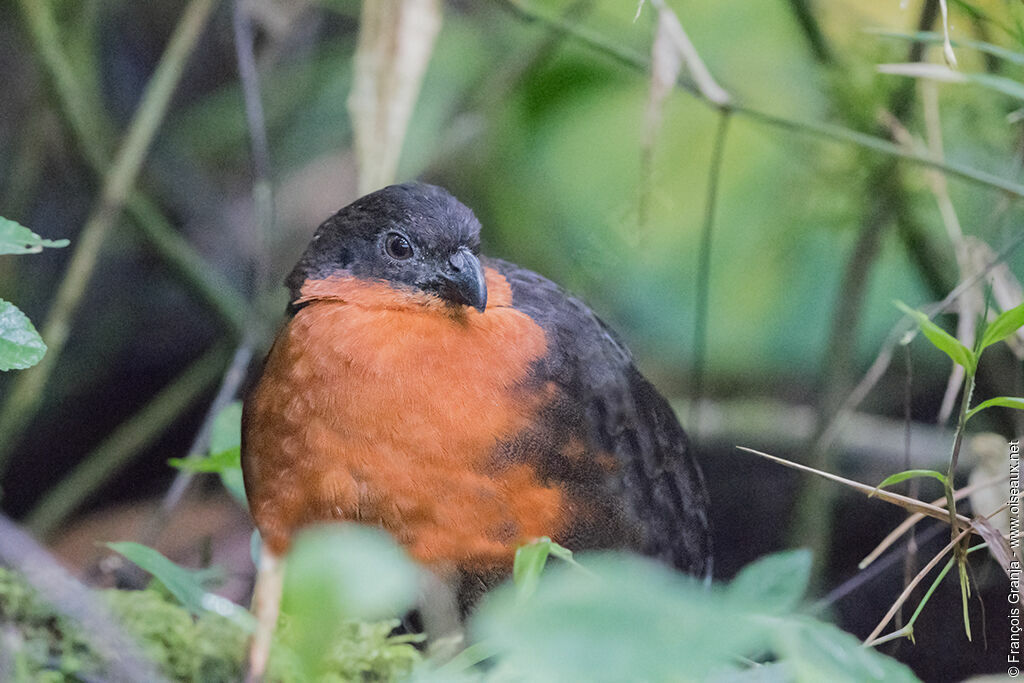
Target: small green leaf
187	585
21	346
941	339
225	453
17	239
910	474
1003	326
1000	401
529	564
775	583
217	462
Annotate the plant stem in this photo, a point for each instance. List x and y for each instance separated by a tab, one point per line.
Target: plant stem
26	395
965	403
700	327
126	441
93	134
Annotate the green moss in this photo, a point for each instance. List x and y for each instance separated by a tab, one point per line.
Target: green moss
211	649
44	645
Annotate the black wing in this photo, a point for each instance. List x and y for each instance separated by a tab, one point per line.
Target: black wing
650	495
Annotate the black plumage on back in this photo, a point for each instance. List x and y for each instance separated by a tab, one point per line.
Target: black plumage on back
650	495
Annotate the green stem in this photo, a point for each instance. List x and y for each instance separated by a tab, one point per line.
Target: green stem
700	327
817	129
26	395
965	403
94	135
127	441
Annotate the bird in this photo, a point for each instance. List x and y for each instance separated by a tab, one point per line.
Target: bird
463	403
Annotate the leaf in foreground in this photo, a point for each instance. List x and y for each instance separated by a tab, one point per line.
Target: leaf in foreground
629	618
17	239
338	572
775	583
187	585
21	347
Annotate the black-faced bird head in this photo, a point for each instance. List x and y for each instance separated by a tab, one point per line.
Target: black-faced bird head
412	236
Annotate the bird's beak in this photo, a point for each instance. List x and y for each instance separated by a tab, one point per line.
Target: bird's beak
464	283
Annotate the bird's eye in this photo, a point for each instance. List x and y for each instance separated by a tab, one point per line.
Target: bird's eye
398	246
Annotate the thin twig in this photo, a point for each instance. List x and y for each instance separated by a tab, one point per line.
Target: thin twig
128	440
871	491
863	577
870	640
262	191
26	395
703	285
811	29
67	596
229	386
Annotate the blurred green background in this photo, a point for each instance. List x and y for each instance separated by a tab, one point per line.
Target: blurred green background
542	136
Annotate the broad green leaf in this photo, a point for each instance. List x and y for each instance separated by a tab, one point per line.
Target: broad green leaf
187	585
627	619
816	651
941	339
1003	326
21	346
17	239
1000	401
910	474
336	572
775	583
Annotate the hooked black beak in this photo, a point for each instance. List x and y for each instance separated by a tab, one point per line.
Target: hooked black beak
464	283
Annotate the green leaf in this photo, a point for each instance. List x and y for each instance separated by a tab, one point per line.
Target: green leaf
225	453
628	618
186	585
21	346
816	651
775	583
1003	326
17	239
227	428
910	474
528	565
215	463
336	572
1000	401
941	339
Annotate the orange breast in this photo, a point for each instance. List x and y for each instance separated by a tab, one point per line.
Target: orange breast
386	407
